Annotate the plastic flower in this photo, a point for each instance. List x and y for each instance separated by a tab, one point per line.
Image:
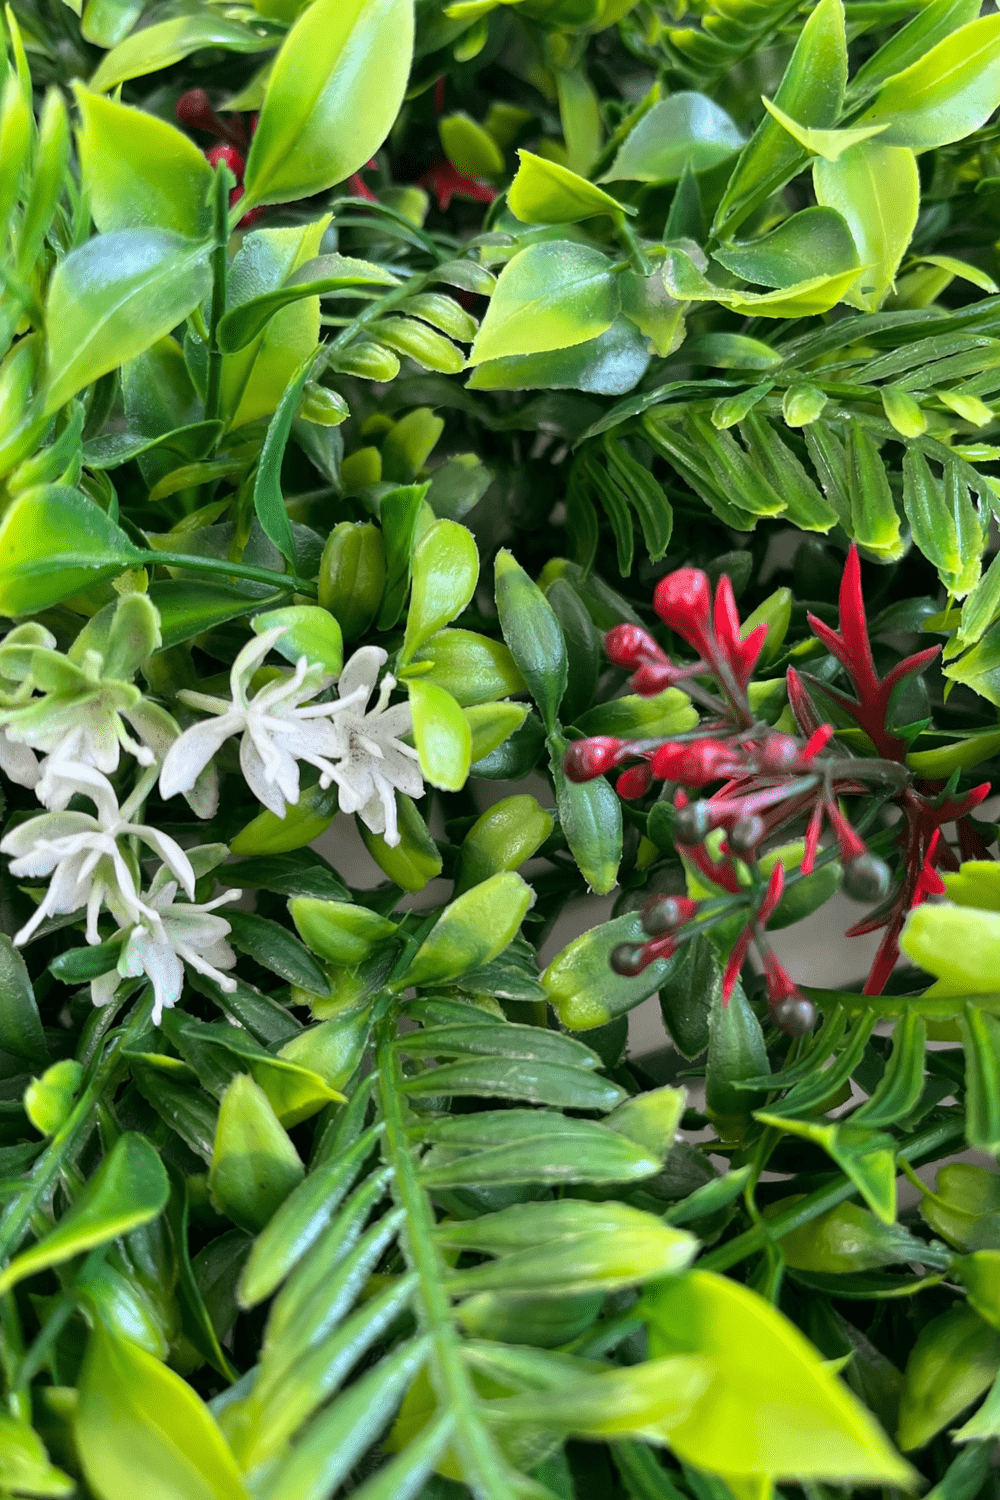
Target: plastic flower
87	701
278	729
372	764
84	859
169	935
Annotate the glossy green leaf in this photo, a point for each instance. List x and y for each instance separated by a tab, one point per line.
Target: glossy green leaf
875	187
644	1400
584	990
268	496
551	295
21	1031
791	253
473	668
309	631
874	520
830	144
533	634
543	192
444	574
305	820
811	92
504	836
472	930
736	1051
590	817
945	95
54	542
469	147
398	513
320	120
326	273
113	297
416	859
441	734
687	129
129	1188
139	1423
167	42
140	172
815	294
276	949
956	1358
352	576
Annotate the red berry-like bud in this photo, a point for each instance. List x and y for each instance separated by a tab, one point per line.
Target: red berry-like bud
669	761
586	759
229	157
629	646
746	834
664	914
629	959
634	782
652	678
683	600
194	109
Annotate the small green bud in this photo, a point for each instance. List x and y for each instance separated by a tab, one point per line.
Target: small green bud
352	576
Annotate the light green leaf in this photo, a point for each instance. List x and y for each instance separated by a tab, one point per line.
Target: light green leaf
956	1358
474	929
338	931
876	188
583	988
551	295
254	1164
24	1464
685	129
142	1429
830	144
441	734
774	1409
321	119
790	254
817	294
444	572
947	94
140	172
54	541
469	147
325	273
112	298
543	192
129	1188
959	945
160	46
309	631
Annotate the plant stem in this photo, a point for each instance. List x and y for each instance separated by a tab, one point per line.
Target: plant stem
452	1384
628	238
819	1202
220	273
217	567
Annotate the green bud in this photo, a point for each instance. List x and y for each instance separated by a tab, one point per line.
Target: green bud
366	361
332	1049
802	404
49	1099
409	444
322	406
352	576
338	931
505	836
304	821
254	1164
416	859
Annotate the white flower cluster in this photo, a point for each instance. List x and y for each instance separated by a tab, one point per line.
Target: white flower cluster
73	710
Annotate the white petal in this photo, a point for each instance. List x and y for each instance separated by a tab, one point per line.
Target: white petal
170	852
250	658
255	776
18	762
189	755
362	671
104	987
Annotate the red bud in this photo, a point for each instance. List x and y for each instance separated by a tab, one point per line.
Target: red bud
634	782
586	759
683	601
194	109
630	646
229	157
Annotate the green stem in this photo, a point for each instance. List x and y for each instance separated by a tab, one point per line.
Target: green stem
636	255
217	567
220	273
454	1389
819	1202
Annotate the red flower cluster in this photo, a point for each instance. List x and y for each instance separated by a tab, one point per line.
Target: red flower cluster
768	782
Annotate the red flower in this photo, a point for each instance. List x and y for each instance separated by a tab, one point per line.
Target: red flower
447	182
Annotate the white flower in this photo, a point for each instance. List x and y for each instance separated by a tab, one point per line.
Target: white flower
277	729
17	761
171	935
371	764
84	858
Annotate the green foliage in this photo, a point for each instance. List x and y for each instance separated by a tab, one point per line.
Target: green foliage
487	315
